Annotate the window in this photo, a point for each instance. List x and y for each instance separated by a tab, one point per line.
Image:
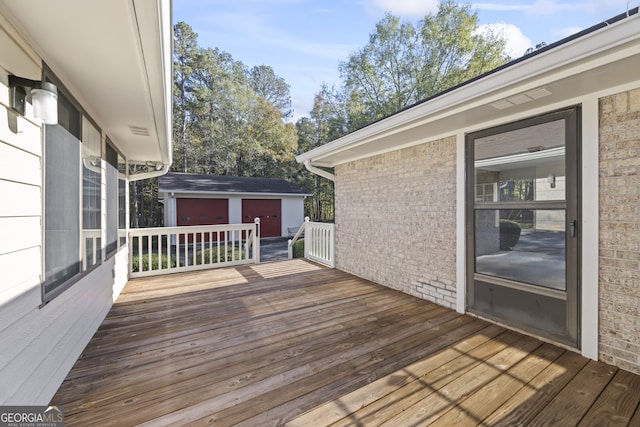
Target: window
78	232
62	202
486	192
122	201
112	199
91	195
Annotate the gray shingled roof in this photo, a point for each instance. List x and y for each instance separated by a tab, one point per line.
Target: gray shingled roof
189	183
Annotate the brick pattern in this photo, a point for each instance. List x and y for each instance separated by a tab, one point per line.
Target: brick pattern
619	258
396	220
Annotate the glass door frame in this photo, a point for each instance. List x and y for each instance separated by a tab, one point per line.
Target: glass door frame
571	336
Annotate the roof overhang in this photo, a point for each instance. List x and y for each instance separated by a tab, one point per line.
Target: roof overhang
115	58
597	61
207	194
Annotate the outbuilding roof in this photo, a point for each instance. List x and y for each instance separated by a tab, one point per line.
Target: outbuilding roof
196	183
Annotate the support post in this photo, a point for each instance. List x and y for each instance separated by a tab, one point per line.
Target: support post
256	241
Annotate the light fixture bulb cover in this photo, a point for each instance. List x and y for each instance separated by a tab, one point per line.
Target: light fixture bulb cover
45	103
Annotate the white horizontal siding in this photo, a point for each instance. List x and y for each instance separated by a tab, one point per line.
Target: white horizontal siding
20	166
20	199
16	56
20	247
55	336
39	345
22	293
19	233
17	131
87	317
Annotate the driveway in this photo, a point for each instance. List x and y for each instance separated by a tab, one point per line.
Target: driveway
273	249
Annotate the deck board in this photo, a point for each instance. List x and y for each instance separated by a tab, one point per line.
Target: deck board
297	344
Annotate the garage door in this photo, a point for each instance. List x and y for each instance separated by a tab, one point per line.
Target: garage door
269	212
202	211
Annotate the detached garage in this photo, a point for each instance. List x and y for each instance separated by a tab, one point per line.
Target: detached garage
192	199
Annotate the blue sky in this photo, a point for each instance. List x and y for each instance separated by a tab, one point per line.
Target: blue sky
305	40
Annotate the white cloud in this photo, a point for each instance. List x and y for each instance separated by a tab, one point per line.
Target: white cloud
517	43
408	8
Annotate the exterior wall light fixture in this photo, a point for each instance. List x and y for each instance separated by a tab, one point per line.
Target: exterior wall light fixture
44	98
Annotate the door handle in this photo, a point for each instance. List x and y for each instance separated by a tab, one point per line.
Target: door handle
572	228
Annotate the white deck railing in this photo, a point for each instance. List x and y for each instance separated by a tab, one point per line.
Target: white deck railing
164	250
319	242
91	240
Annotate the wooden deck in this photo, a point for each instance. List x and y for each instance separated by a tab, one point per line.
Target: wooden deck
292	343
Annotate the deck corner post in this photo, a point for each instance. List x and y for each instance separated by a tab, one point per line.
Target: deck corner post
256	241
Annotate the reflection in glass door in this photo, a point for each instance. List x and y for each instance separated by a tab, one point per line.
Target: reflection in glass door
522	224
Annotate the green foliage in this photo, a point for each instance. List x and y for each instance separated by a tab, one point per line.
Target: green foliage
155	262
271	88
144	207
298	249
229	119
509	234
403	64
230	255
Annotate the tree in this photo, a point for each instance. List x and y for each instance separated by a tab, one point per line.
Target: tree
236	117
272	88
452	50
184	58
382	75
228	120
537	47
403	64
327	122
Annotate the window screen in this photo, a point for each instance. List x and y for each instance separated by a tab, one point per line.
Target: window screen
122	201
91	195
112	199
62	208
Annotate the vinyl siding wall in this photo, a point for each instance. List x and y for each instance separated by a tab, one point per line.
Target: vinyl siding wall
39	344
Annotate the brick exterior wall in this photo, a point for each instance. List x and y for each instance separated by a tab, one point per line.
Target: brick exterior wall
405	203
396	220
619	276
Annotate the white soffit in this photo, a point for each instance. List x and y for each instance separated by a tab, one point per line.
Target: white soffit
589	64
115	58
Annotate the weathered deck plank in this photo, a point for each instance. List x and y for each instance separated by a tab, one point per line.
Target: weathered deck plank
294	343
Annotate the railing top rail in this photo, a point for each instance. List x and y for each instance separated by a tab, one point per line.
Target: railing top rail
191	248
192	228
322	224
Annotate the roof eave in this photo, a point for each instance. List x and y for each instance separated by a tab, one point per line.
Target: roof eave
227	193
115	58
586	51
